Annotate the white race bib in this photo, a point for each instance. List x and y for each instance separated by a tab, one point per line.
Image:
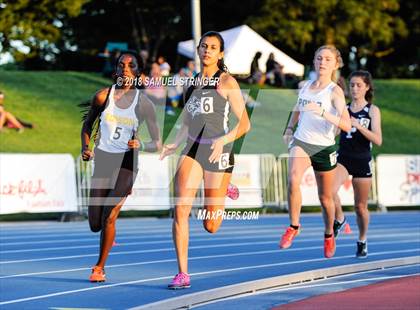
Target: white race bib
224	161
206	105
333	158
364	122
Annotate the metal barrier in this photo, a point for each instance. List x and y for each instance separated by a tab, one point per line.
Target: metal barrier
173	163
273	181
84	171
199	199
373	194
282	168
269	180
282	163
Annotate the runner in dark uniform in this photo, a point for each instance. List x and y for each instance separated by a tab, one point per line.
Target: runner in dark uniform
207	155
354	154
354	149
207	113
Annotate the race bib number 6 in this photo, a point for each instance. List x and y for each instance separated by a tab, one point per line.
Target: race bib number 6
206	105
333	158
224	161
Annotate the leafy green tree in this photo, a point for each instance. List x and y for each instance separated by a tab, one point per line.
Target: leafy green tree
144	25
36	24
404	59
371	25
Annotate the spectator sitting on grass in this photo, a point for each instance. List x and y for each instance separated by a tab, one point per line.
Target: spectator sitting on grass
9	120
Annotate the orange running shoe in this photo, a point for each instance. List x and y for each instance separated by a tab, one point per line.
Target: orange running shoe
288	236
98	274
329	247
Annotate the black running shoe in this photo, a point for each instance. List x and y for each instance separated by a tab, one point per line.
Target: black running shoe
338	226
361	249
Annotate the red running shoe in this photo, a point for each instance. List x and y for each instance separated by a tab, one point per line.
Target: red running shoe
329	247
98	274
288	236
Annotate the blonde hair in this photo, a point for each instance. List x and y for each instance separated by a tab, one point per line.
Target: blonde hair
338	58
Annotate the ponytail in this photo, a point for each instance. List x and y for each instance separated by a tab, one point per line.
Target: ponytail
221	65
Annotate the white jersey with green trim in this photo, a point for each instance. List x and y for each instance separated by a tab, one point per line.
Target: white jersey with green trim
117	126
313	128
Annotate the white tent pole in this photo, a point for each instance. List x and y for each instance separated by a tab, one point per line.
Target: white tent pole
196	29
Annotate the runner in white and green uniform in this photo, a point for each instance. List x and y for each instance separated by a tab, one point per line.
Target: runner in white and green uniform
320	110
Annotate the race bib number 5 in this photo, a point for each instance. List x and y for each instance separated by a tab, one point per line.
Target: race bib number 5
224	161
117	133
206	106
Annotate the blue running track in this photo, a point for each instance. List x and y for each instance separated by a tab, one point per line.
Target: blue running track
46	265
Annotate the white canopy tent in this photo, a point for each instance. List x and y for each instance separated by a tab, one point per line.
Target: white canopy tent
241	44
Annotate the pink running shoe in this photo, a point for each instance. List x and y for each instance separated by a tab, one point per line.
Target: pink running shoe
180	281
232	191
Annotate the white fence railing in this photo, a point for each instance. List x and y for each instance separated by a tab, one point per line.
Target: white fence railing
53	183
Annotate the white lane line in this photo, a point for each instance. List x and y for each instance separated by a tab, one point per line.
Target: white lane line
266	236
137	230
82	290
81	226
155	228
134	252
71	231
121	236
146	224
388	236
173	260
197	233
200	257
163	261
169	277
87	233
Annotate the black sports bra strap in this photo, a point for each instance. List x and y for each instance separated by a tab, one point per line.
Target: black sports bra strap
218	73
192	87
368	105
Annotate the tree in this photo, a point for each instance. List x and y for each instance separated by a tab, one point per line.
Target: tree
220	15
404	61
145	25
301	26
35	24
